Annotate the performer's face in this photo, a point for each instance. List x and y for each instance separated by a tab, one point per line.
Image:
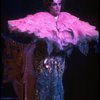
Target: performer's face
55	7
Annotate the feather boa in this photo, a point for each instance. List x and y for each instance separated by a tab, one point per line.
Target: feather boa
67	29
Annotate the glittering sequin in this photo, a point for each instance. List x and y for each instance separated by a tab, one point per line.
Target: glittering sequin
49	79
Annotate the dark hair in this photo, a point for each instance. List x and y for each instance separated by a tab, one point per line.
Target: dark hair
47	3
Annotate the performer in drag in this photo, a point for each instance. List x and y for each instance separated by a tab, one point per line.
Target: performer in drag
53	34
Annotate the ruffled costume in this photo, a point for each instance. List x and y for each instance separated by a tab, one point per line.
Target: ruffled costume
51	38
43	25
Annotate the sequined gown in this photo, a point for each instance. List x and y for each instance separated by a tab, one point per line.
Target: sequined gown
48	70
49	79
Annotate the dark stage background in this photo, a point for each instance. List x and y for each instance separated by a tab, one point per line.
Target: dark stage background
81	77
